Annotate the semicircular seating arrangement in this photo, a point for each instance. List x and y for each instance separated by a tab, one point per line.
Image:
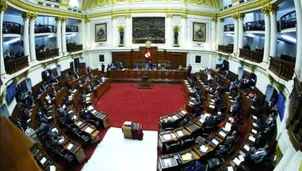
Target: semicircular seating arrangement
220	128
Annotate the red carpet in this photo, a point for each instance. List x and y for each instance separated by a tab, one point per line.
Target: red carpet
125	102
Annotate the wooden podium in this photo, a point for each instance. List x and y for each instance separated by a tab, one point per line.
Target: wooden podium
145	83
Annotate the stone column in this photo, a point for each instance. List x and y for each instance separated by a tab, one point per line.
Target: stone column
236	33
267	34
81	32
127	34
26	45
2	9
88	35
64	46
213	33
240	29
32	40
114	31
273	44
169	30
183	31
220	32
298	66
59	35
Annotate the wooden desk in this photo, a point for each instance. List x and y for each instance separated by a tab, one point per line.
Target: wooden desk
166	138
154	76
102	88
167	164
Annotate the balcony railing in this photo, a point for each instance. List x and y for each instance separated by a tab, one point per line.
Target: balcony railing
255	56
74	48
47	54
40	28
72	29
255	26
282	68
226	48
288	20
11	28
228	27
15	64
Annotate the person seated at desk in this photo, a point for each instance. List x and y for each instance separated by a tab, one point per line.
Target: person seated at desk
52	93
52	79
86	79
30	99
45	107
78	85
186	120
61	111
224	149
212	89
89	88
167	123
84	114
230	139
194	166
235	108
271	119
218	100
42	118
214	120
259	155
206	70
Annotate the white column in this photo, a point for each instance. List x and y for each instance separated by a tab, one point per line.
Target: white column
298	66
127	34
169	30
32	41
267	36
88	35
213	34
2	67
273	43
114	31
240	29
25	17
59	35
236	33
81	32
220	32
64	48
183	31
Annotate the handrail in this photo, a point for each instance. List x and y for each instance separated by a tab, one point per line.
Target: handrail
47	54
255	26
228	27
11	27
288	20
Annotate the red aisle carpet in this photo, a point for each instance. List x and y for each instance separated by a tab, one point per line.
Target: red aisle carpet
125	102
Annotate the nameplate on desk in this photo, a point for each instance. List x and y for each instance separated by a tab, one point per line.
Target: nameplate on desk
214	141
43	160
69	147
254	131
246	147
223	134
79	123
236	161
203	148
88	130
180	133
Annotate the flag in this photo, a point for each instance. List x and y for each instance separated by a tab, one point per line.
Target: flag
148	55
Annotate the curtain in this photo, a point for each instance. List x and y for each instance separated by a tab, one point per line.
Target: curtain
14	148
281	105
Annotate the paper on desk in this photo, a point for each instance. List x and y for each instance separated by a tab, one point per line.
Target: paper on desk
223	134
228	126
79	123
88	130
174	117
252	138
180	133
88	95
214	141
230	168
90	108
183	112
231	119
52	168
74	117
254	131
212	106
187	156
127	123
43	160
204	148
69	146
88	98
167	136
240	157
167	162
236	161
212	100
93	112
54	130
49	117
246	147
254	124
71	111
254	117
242	153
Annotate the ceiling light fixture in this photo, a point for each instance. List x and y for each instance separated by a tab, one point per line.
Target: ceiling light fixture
250	35
229	35
288	38
12	40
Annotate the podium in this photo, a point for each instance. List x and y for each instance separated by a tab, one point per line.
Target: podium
132	130
145	83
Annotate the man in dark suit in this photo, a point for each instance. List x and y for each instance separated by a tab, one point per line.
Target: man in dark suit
103	68
259	155
189	70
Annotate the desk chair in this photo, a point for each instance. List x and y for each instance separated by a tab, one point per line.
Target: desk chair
171	148
186	143
215	163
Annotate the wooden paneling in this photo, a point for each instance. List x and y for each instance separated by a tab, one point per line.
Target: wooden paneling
129	59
